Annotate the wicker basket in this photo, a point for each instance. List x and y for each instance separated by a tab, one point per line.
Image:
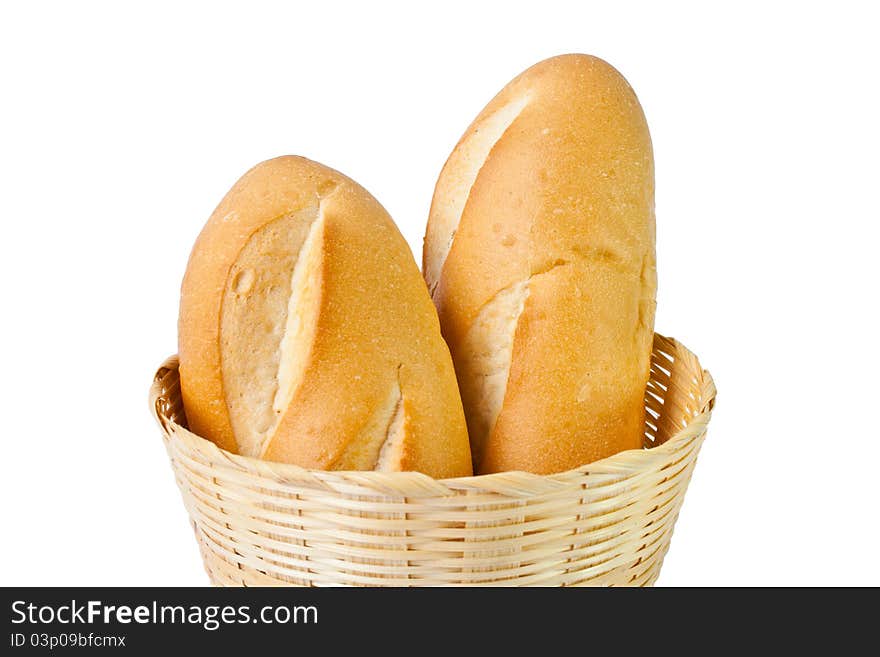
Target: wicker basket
606	523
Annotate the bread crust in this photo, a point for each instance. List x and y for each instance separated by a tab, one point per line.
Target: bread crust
369	331
562	207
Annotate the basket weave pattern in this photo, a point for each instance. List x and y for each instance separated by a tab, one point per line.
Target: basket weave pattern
606	523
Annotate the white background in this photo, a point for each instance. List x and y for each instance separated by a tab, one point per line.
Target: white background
122	128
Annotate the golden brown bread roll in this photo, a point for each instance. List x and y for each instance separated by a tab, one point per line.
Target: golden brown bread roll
539	254
307	335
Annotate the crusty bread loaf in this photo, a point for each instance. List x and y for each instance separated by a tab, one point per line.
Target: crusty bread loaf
307	335
539	255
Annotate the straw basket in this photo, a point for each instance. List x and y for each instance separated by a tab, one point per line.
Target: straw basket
606	523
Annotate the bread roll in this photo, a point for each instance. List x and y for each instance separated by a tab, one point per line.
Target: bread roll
539	254
307	334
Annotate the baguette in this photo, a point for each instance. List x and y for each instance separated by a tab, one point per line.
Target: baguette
539	254
307	335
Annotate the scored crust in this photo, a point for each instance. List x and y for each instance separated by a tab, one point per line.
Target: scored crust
307	335
540	257
456	181
484	362
276	277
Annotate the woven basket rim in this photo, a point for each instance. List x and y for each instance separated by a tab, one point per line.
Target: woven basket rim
417	484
